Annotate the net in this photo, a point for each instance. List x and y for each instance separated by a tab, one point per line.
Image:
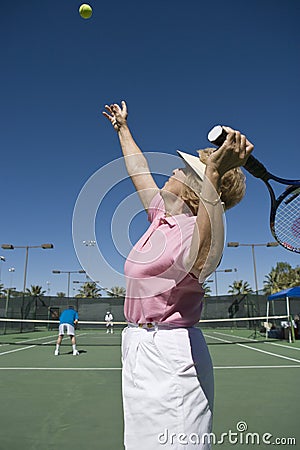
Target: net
8	325
95	332
259	327
49	308
94	309
27	332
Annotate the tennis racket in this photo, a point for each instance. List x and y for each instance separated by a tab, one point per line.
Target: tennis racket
285	209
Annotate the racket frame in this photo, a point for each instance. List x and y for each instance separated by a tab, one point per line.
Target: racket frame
217	136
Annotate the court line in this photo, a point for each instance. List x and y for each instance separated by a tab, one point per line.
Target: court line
31	340
235	336
76	369
259	367
257	340
40	338
32	346
23	348
61	368
253	348
17	350
282	345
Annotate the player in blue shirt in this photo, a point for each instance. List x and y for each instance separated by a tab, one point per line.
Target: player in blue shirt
67	321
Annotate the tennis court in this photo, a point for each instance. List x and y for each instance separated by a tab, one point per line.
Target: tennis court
74	403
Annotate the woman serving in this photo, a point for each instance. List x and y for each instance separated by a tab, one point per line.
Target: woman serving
167	376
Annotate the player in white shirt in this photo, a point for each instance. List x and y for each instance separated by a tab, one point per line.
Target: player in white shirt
109	322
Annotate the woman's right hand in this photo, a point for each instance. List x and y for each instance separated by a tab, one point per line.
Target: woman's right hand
234	152
116	115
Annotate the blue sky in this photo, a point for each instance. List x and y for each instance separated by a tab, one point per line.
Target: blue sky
182	67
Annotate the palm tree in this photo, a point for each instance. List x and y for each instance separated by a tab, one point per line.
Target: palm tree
35	291
13	292
89	290
207	289
272	283
2	290
116	291
282	276
239	287
60	294
297	276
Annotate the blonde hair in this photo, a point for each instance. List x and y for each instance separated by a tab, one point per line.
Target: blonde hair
233	185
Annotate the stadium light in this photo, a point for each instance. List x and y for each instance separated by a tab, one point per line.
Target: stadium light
69	274
221	270
11	271
45	246
272	244
27	247
268	244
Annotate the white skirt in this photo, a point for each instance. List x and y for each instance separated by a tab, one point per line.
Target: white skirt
168	389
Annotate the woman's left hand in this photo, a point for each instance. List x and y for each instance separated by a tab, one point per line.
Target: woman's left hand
117	115
233	153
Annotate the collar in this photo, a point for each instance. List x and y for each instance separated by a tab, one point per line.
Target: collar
169	220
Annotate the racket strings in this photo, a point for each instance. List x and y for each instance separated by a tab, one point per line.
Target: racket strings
287	222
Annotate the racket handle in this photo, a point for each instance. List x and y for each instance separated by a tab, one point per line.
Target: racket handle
217	136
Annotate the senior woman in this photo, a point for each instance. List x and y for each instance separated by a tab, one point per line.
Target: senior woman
167	376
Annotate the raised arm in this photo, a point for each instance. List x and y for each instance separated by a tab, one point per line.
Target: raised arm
208	238
136	163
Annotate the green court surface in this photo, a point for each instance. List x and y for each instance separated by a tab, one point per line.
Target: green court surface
74	403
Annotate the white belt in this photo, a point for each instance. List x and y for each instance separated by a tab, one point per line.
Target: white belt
152	326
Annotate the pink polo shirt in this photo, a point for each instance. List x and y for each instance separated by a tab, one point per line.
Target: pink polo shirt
158	287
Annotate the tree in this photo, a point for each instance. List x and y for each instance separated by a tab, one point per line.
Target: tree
13	292
207	289
89	290
282	276
117	291
2	290
60	294
35	291
239	287
297	276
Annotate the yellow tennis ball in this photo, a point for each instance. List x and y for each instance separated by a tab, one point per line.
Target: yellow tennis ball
85	11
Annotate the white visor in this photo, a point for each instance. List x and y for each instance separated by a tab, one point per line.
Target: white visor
194	163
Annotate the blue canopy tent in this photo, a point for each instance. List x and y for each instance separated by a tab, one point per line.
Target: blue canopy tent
285	294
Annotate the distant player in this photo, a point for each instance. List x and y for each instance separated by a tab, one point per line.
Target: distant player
67	321
109	322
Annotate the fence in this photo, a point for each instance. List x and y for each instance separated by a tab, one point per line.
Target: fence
94	309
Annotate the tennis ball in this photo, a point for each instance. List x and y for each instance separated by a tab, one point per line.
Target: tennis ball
85	11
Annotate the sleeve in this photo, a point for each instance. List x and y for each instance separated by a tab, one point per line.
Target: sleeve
157	207
76	316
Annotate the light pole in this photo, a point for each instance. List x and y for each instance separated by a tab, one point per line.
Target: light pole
221	270
69	274
89	243
27	247
11	270
3	260
268	244
85	282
